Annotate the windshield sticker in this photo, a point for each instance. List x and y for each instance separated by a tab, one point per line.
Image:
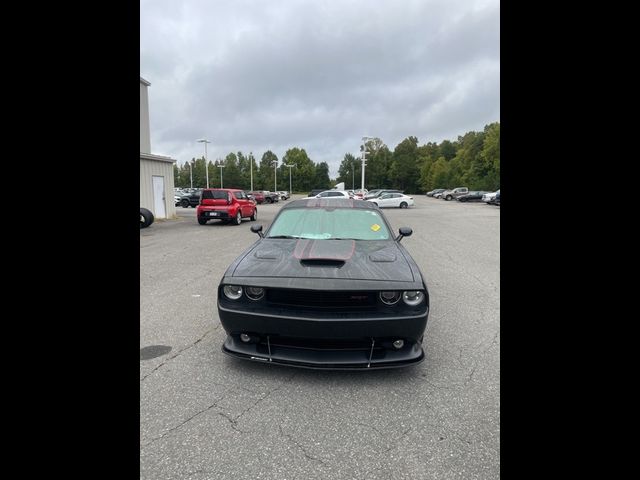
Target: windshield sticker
375	227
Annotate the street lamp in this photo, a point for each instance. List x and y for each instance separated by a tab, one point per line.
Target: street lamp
206	162
251	168
289	167
220	166
353	177
364	155
190	173
275	175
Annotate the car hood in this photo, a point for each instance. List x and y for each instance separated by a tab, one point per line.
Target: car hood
343	259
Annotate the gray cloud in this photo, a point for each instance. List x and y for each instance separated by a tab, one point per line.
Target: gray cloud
253	75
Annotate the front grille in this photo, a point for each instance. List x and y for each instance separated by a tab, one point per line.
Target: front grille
321	299
320	344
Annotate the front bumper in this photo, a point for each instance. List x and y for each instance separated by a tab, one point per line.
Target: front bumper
324	343
302	353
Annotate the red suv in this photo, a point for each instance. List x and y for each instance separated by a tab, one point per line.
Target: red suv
227	204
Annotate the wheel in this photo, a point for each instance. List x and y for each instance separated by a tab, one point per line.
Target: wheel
238	220
375	204
449	197
184	203
462	199
146	217
255	215
202	221
268	200
403	205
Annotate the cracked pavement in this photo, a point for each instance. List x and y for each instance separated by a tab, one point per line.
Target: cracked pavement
204	415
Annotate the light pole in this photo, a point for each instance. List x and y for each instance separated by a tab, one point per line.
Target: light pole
251	168
206	162
364	156
353	177
220	166
191	173
289	167
275	175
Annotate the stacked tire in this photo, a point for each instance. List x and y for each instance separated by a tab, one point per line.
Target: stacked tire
146	217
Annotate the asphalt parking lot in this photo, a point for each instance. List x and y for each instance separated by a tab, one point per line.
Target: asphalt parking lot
204	415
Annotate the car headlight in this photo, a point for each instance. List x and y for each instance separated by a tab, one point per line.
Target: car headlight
412	297
254	293
390	298
232	292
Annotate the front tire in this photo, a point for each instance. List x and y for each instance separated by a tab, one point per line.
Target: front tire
184	203
449	197
403	205
202	221
254	217
462	199
238	219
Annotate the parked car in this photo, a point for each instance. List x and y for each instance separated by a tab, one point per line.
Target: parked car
360	194
333	194
377	193
316	191
490	197
399	200
496	199
270	197
284	195
434	192
455	193
471	197
226	204
191	199
146	217
327	286
258	196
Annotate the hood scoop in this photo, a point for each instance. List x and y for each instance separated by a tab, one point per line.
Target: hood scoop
322	262
324	253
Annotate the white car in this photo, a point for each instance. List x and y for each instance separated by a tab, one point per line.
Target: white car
333	193
489	197
399	200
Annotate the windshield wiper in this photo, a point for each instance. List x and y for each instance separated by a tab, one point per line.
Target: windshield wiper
283	236
341	238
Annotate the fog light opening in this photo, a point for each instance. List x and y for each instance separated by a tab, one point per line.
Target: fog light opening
245	337
398	344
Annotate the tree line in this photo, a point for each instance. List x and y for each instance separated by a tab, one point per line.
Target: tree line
473	161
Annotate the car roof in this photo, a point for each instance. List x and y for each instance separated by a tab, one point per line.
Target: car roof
225	189
340	202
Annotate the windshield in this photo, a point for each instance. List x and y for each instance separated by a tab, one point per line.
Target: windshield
329	224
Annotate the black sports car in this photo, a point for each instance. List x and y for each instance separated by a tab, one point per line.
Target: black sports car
326	286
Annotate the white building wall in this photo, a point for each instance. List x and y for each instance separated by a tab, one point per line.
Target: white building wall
149	168
145	131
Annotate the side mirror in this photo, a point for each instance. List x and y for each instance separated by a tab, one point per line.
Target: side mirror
404	232
257	229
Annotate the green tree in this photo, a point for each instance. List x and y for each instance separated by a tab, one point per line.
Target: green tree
322	174
377	170
490	157
231	175
349	171
404	167
304	173
266	172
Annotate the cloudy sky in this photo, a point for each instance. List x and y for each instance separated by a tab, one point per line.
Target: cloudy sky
257	75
